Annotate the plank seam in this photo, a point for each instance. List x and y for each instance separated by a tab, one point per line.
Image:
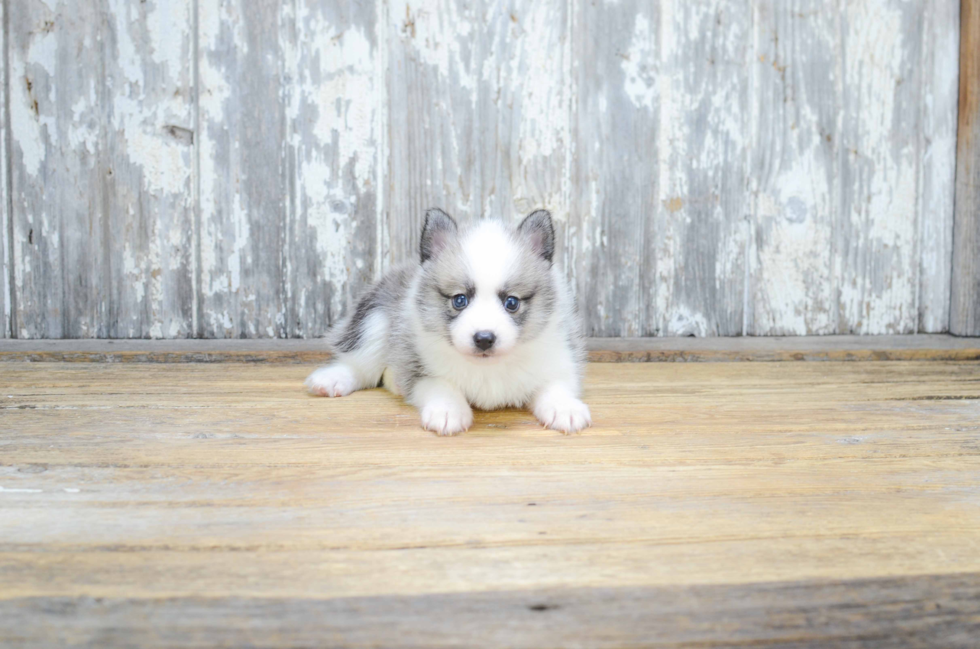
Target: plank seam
196	288
9	177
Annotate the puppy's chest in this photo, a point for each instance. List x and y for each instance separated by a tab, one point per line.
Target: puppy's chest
510	382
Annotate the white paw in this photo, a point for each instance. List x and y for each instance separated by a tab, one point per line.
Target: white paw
445	417
564	413
331	381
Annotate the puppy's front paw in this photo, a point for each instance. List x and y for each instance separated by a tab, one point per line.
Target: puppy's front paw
564	413
444	417
332	381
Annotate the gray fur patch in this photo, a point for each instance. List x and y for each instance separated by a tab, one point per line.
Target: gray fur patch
539	232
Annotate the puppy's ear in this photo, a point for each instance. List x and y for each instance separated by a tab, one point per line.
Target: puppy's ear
439	229
538	230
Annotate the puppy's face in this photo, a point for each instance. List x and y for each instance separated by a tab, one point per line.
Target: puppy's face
487	289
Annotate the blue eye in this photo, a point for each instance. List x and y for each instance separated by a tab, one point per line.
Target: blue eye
460	301
512	304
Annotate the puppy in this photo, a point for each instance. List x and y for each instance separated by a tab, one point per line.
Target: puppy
483	319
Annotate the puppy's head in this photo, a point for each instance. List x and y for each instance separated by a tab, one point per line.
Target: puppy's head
487	288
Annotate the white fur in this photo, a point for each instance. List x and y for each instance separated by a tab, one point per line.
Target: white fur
354	370
489	252
542	373
443	408
505	380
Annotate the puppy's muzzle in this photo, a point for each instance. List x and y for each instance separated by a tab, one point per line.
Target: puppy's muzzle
484	340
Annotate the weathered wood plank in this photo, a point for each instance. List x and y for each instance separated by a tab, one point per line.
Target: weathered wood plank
612	236
791	287
433	77
795	501
659	178
918	611
937	347
61	236
243	171
6	226
102	168
938	74
965	300
702	145
878	222
149	144
478	112
333	80
688	165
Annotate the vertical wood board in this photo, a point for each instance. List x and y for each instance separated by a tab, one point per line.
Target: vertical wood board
243	127
477	111
6	281
57	95
223	168
793	177
148	168
334	148
965	298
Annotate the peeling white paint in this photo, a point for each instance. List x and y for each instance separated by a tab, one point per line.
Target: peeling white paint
496	88
640	65
4	490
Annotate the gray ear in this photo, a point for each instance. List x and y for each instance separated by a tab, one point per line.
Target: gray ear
538	230
439	229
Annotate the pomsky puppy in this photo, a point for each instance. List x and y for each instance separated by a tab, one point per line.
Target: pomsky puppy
483	319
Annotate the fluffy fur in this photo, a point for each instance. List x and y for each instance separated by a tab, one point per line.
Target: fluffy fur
413	333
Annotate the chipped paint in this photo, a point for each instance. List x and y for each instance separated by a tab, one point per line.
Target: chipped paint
723	167
640	65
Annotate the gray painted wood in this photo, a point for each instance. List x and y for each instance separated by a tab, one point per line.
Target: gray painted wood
612	243
243	171
875	239
101	153
965	300
851	188
148	166
720	167
58	131
478	112
702	203
793	177
6	287
907	611
334	86
937	163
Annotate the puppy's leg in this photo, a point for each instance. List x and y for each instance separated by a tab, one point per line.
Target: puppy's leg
557	407
360	358
443	407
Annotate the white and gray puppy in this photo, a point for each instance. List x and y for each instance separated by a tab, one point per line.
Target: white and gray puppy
484	319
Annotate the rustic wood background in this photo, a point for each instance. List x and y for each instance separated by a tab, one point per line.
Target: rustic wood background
242	168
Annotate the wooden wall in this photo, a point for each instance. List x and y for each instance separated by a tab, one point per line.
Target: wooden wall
242	168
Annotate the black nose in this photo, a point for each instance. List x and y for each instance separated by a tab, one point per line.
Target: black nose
484	339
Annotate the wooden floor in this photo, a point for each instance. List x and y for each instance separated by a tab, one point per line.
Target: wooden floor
713	504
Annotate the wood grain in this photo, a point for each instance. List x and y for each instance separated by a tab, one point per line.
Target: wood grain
791	274
6	226
897	612
877	223
243	170
938	75
964	318
101	117
747	492
924	347
722	167
334	85
58	120
612	232
148	167
478	113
